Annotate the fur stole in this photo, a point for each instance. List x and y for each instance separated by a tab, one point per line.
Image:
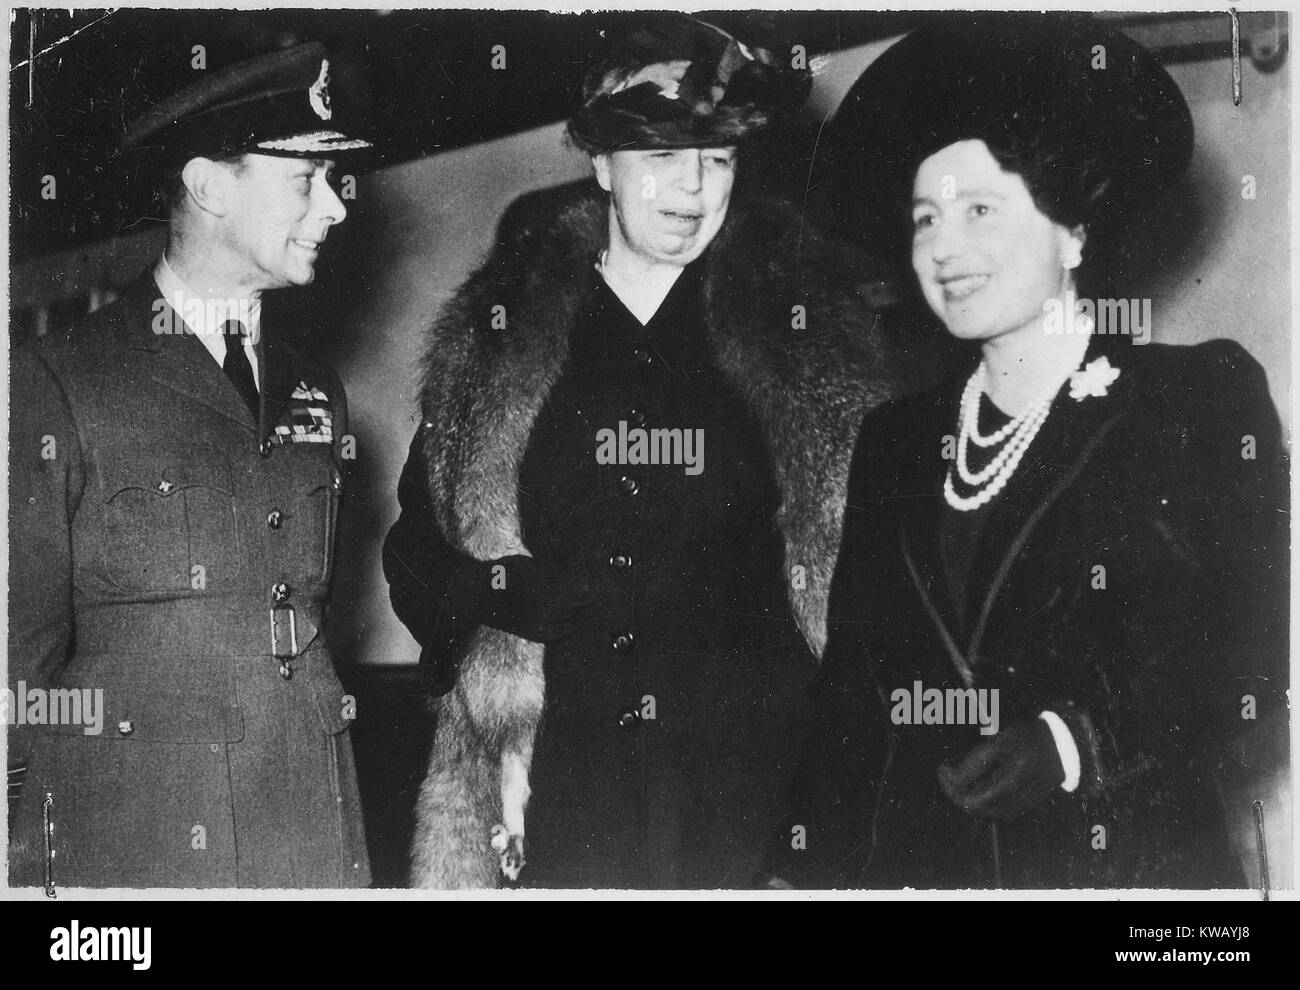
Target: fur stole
793	320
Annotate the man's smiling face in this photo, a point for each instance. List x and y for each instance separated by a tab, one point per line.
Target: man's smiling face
280	212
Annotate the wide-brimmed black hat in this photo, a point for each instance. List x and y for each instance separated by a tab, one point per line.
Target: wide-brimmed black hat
275	104
1102	125
682	83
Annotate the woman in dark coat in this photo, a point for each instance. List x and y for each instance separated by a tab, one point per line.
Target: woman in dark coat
1058	621
676	590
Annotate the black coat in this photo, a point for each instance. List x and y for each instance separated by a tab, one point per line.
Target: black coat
1148	673
724	635
687	568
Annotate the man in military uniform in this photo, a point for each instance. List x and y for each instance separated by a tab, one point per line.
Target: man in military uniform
174	489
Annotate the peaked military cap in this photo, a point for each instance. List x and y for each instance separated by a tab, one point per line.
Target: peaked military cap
275	104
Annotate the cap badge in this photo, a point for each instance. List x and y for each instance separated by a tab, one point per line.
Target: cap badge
319	94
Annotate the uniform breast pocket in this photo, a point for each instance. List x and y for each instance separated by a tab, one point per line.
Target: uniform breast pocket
169	517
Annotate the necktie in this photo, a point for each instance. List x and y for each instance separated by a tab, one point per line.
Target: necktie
236	365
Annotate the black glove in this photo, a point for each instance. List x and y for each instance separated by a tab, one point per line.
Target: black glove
519	596
1016	770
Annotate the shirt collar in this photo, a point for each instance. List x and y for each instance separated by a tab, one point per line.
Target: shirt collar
204	314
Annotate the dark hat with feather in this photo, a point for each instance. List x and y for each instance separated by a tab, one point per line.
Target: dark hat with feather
682	83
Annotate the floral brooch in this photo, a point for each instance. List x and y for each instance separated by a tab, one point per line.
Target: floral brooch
1093	379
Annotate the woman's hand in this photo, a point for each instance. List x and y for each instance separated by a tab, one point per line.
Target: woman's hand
1016	770
522	597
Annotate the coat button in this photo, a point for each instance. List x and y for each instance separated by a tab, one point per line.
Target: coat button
628	718
623	642
642	356
636	417
125	727
264	448
628	485
279	592
275	518
620	561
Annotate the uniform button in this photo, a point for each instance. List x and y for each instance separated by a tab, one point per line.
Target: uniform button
636	417
337	483
125	727
620	561
628	485
628	718
623	642
275	518
264	448
642	356
279	592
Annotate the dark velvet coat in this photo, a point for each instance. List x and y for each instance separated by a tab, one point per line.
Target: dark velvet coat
1148	672
133	462
725	636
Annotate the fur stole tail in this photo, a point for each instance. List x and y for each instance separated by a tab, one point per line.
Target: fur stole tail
470	812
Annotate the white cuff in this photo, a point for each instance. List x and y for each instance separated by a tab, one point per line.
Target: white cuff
1066	748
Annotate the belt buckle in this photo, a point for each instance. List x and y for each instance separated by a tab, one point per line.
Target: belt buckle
277	632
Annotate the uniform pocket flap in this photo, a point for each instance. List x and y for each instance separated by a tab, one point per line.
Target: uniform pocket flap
165	470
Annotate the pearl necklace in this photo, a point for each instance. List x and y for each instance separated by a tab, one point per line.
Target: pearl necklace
997	473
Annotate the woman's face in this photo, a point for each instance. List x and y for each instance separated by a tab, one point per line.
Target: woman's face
986	258
669	203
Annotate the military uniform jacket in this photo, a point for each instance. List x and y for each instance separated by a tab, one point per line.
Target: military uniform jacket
173	553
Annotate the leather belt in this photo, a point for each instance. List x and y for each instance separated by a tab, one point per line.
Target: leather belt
200	628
